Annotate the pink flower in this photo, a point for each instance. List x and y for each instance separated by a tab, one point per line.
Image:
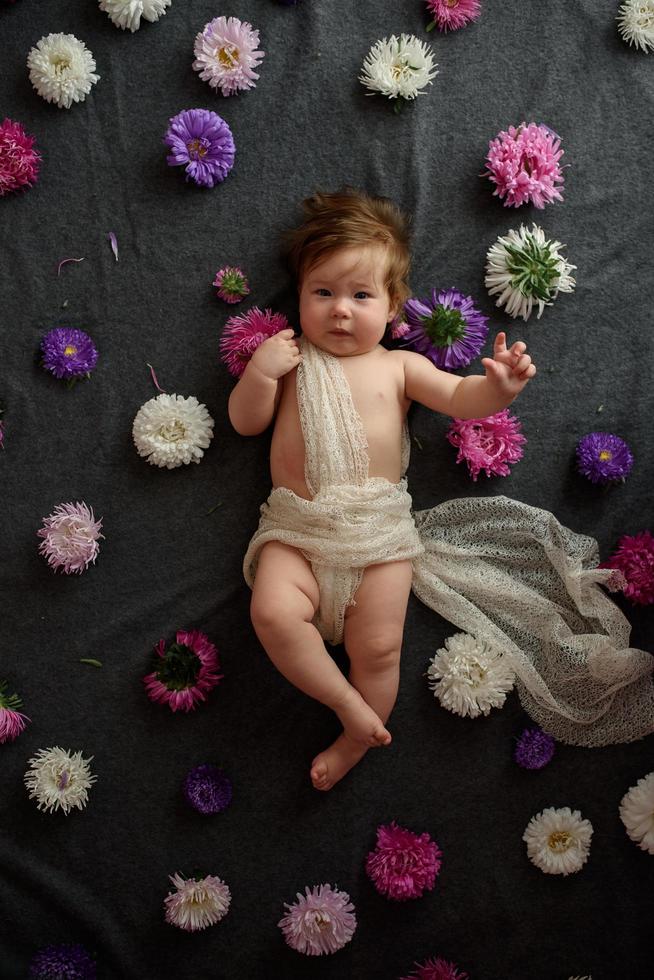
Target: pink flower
399	328
70	538
449	15
232	285
488	444
437	969
635	559
404	864
243	334
321	921
19	161
185	672
12	722
523	164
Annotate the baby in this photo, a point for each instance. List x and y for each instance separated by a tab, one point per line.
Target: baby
332	557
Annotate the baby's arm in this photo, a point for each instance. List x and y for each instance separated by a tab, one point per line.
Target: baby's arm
253	401
474	397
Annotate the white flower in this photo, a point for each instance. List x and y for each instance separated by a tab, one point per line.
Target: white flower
398	68
170	430
637	812
469	677
128	13
62	69
558	841
197	904
636	23
226	54
527	271
59	780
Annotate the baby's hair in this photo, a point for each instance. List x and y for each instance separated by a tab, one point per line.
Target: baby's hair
350	218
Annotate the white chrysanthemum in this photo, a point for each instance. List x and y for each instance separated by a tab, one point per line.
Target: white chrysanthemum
127	13
558	841
62	69
527	270
636	23
197	904
637	812
170	430
59	780
398	67
469	677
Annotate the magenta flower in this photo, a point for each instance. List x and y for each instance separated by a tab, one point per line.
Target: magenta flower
635	559
70	538
436	969
321	921
450	15
183	674
202	142
523	163
488	444
19	161
403	864
243	334
12	722
604	457
232	284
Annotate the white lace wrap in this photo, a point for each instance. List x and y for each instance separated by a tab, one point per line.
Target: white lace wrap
494	567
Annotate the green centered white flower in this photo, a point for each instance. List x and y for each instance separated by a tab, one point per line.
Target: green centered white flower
58	779
127	14
171	430
527	270
62	69
637	813
469	677
636	23
398	67
558	841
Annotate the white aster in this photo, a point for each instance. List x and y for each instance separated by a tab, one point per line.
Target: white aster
637	812
58	779
527	270
398	67
127	13
636	23
469	677
170	430
197	904
62	69
558	841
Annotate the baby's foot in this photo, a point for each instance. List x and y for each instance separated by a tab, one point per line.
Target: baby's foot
360	722
332	764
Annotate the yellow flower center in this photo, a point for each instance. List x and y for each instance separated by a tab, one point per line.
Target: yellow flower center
560	841
172	431
604	455
451	3
69	350
228	56
196	147
60	63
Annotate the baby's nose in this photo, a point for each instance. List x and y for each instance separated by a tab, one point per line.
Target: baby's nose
340	307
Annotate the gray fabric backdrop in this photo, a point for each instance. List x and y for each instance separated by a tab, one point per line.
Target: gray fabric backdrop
100	876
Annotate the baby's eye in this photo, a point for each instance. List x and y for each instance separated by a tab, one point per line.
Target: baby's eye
361	295
322	292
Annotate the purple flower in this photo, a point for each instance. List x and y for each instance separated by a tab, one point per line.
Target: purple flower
321	921
208	789
403	864
535	749
68	353
201	141
66	962
447	329
603	457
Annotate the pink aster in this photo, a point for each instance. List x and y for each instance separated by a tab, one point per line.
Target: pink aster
321	921
450	15
185	672
243	334
12	722
523	163
19	161
232	285
635	559
70	538
226	54
488	444
403	864
436	969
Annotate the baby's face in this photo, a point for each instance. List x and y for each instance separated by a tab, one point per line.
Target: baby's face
344	304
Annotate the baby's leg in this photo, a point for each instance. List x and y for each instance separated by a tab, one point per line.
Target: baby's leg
373	640
284	601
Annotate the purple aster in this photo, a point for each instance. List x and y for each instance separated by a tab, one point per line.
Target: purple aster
535	749
208	789
68	353
447	329
201	141
603	457
67	962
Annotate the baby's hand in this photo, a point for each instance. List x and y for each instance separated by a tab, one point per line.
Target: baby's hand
277	355
510	369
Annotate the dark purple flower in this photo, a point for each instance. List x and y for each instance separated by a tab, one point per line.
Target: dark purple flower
447	329
201	141
535	749
68	353
67	962
208	789
603	457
